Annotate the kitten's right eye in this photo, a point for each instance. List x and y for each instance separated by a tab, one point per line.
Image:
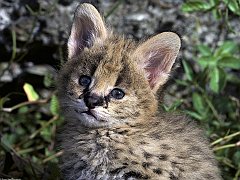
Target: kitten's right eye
117	93
84	80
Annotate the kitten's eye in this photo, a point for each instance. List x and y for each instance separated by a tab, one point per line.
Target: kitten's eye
117	93
84	80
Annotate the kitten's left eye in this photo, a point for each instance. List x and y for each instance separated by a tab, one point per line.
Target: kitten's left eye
85	81
117	93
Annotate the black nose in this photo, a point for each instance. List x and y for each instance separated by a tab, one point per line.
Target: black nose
93	100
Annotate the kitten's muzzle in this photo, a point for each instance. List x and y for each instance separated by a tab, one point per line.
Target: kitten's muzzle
93	100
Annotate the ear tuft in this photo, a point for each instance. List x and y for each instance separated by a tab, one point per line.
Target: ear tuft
87	28
157	56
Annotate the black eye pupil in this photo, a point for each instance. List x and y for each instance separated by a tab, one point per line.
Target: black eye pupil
117	93
84	80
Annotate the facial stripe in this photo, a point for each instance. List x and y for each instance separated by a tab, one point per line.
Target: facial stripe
109	69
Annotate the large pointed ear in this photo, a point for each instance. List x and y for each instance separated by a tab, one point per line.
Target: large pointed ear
87	28
157	56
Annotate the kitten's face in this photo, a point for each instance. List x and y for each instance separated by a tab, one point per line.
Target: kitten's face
104	87
109	81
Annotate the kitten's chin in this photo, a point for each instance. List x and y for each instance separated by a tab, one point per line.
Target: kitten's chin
91	120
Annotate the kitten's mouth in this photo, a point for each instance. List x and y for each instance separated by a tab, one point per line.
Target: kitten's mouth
90	113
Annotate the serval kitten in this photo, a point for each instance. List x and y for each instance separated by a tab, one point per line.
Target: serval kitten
108	95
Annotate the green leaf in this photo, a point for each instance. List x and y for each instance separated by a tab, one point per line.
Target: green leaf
30	92
230	62
217	13
204	50
222	79
195	6
207	61
234	6
233	78
182	82
236	158
3	100
188	70
214	80
23	110
214	2
198	103
194	115
48	80
54	105
174	106
227	48
46	134
5	145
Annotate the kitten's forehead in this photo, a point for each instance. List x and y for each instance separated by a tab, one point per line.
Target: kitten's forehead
113	63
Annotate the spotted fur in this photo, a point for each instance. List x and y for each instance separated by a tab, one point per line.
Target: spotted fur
130	138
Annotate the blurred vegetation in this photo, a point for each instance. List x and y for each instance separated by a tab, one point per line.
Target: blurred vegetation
213	82
28	120
212	103
219	8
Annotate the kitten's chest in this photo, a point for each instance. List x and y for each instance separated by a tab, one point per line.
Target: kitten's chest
107	156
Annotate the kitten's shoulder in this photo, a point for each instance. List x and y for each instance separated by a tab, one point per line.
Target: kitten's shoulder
178	130
176	122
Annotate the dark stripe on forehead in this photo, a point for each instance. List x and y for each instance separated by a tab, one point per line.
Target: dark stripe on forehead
111	64
115	60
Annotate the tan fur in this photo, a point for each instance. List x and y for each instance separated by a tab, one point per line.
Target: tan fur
132	138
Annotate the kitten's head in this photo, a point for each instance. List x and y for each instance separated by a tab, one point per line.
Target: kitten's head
108	80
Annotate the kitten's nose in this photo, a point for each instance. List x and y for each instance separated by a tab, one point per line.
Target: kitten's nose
93	100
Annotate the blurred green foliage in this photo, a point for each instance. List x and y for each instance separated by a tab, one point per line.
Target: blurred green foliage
219	8
212	103
213	82
28	142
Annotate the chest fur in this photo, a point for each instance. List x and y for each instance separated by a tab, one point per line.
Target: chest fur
132	154
96	155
